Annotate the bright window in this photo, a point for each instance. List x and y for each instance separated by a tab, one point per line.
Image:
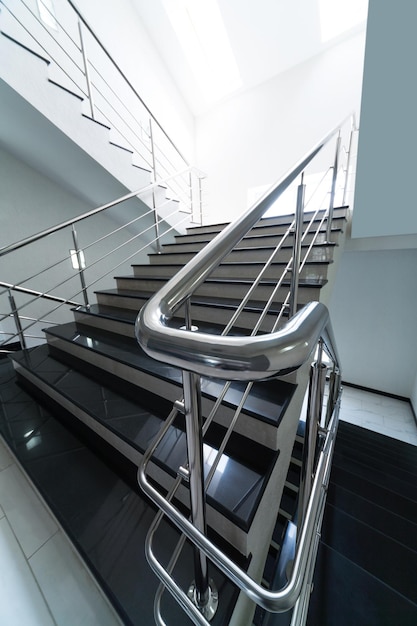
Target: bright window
340	16
199	27
47	13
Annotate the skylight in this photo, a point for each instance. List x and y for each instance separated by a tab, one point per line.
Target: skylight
201	32
339	16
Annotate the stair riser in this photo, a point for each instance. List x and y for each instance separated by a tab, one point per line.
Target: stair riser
186	245
200	313
249	255
236	271
219	290
237	537
263	433
133	304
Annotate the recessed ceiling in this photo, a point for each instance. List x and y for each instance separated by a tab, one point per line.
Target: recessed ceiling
267	37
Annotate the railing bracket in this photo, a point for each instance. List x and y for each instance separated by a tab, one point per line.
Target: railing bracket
210	607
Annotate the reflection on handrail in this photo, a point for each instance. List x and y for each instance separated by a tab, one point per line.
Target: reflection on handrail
229	358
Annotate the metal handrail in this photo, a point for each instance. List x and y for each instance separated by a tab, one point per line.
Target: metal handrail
230	358
274	601
53	229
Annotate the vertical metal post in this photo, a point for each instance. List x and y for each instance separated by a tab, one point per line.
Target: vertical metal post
190	184
202	591
200	199
80	266
352	131
16	317
86	69
333	189
296	255
155	214
314	409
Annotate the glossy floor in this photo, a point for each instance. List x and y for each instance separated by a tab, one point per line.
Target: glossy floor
44	582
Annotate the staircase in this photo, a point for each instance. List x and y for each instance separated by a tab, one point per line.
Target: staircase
366	566
92	376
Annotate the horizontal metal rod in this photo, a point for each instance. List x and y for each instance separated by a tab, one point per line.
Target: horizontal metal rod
40	294
228	357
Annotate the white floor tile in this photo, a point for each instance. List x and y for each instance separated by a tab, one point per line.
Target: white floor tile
30	520
5	457
22	603
68	587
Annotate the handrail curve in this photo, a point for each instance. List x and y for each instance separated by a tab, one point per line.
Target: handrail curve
232	358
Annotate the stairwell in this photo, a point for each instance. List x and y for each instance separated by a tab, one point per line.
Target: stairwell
92	378
366	567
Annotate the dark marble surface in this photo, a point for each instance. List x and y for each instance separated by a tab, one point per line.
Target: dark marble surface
104	515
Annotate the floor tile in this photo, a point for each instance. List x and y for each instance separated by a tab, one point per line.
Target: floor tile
70	591
30	520
5	457
22	602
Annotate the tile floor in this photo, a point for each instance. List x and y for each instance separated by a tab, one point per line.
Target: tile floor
44	582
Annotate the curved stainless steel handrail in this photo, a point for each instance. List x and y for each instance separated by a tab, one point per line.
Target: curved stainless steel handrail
232	358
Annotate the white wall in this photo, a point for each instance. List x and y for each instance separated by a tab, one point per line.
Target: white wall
373	310
119	27
254	138
414	396
385	185
32	202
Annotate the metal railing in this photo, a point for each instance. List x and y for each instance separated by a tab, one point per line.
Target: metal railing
83	64
246	358
83	250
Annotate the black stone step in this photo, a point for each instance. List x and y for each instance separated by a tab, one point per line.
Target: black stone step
104	514
384	460
136	424
344	594
376	476
377	445
375	493
381	518
374	551
267	401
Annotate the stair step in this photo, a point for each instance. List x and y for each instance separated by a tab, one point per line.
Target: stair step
130	426
235	270
375	552
308	289
345	594
104	514
190	242
378	517
185	252
124	359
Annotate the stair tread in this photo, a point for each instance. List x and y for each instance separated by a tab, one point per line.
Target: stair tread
241	249
374	551
266	402
137	426
345	594
304	282
226	264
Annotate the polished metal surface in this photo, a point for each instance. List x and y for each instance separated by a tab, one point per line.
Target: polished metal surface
231	358
297	247
274	601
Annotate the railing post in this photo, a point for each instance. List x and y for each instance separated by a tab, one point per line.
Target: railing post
352	131
80	266
200	199
333	189
202	591
155	214
86	69
314	410
16	317
296	255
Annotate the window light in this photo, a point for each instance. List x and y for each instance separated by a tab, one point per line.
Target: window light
201	32
340	16
47	13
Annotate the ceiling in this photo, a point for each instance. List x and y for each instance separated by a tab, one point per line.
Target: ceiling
267	37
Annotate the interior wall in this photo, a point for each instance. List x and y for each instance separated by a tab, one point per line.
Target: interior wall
252	139
385	183
373	311
31	202
121	31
